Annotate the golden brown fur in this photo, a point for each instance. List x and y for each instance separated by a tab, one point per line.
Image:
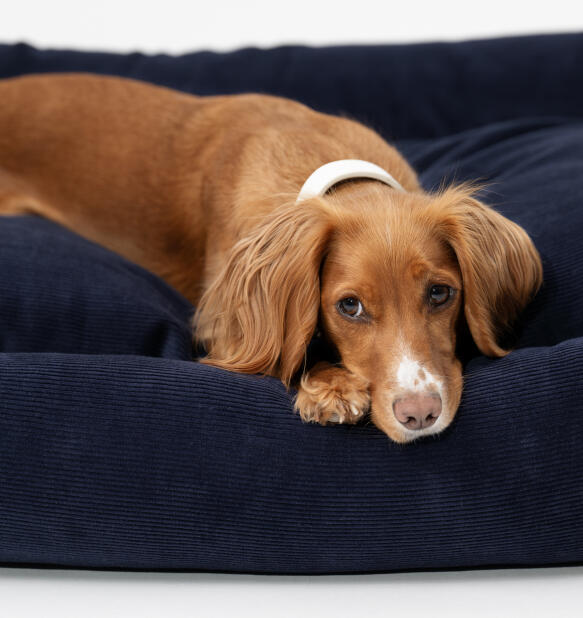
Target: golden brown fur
202	192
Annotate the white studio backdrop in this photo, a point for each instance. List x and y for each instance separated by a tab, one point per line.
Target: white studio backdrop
175	26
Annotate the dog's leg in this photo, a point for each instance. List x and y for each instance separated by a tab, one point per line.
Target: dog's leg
330	394
16	198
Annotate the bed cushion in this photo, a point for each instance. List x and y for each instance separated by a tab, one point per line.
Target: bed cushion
118	451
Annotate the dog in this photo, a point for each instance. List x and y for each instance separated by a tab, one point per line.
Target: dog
206	192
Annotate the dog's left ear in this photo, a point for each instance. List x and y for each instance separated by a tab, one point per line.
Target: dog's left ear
260	313
501	269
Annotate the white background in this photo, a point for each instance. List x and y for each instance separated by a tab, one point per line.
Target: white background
174	27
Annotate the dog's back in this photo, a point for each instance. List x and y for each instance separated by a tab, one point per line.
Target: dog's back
96	154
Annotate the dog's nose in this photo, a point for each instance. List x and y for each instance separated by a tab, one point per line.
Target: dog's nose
417	411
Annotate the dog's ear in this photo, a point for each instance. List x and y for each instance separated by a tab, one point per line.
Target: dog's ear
259	314
501	269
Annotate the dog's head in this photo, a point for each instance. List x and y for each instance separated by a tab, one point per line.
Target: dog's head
390	277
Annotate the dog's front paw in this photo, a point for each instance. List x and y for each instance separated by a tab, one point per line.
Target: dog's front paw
329	394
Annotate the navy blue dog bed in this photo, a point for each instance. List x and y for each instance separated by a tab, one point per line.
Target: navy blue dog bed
118	451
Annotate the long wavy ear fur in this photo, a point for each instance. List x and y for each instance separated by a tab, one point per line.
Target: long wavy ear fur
259	314
501	269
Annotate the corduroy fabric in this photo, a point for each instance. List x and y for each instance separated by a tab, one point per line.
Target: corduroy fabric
404	91
120	461
62	293
117	451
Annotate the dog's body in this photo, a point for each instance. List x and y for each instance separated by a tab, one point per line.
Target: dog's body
168	180
202	192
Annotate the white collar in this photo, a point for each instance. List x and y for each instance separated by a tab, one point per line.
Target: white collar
325	177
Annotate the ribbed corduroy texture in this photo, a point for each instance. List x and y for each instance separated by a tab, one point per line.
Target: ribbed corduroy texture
117	451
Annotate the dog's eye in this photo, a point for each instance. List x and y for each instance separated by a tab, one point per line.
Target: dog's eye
351	307
439	294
